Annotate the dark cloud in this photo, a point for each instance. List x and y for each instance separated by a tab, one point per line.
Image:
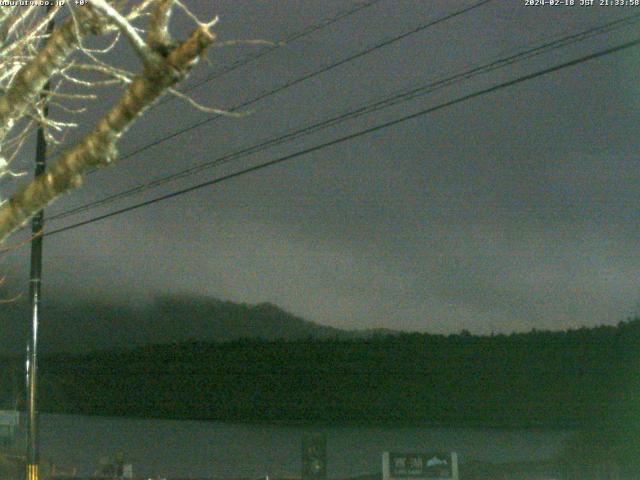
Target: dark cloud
507	212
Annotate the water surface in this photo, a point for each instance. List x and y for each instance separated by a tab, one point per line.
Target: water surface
175	448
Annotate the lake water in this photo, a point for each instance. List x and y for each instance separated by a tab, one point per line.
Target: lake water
170	448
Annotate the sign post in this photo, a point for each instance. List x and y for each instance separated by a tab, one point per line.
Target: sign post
314	457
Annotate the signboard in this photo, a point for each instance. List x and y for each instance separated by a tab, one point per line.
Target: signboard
419	466
314	457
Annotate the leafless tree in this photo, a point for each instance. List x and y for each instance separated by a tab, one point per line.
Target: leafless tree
37	67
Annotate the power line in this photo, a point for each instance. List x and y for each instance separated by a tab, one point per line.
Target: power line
310	29
308	76
384	103
352	136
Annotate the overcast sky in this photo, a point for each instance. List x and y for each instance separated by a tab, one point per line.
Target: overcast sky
511	211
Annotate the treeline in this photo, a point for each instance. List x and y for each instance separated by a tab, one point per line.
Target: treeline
547	379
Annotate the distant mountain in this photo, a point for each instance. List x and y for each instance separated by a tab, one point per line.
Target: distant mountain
82	327
214	320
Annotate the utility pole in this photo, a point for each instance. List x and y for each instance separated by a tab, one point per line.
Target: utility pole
35	283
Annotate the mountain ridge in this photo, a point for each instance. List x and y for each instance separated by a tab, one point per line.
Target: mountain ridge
87	326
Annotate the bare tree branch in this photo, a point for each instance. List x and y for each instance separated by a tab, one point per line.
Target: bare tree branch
98	148
139	45
31	78
37	65
158	35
